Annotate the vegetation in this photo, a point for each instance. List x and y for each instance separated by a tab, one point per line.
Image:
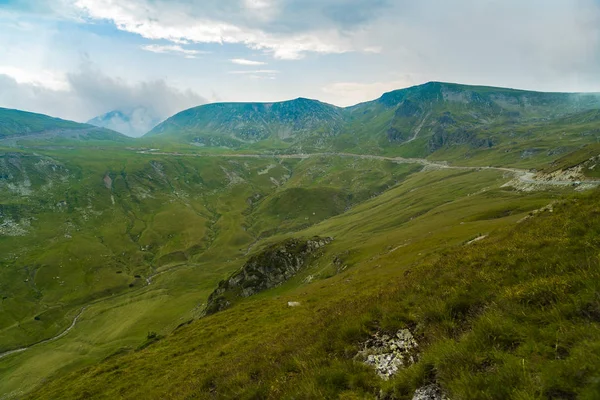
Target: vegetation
20	123
514	316
118	244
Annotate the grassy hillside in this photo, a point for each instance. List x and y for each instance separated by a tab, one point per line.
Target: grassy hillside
117	243
512	316
239	123
15	122
147	236
16	126
440	120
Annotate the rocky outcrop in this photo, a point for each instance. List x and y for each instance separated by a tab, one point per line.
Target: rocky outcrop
387	354
265	270
429	392
457	137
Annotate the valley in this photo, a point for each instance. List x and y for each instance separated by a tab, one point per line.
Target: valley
440	205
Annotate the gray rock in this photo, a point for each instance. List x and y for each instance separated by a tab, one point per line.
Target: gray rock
387	354
265	270
429	392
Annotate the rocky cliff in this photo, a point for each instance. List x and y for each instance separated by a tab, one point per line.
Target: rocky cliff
265	270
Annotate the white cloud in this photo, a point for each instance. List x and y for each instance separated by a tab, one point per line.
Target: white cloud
179	22
172	49
43	79
255	72
89	93
243	61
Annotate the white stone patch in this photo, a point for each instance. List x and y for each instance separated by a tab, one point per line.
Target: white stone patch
293	304
232	177
429	392
8	227
267	169
388	354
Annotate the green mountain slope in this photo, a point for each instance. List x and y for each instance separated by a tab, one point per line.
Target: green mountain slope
512	316
458	121
16	124
252	122
110	249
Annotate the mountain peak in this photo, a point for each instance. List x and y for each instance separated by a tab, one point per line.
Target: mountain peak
132	122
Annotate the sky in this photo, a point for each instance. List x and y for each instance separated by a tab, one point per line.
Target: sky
77	59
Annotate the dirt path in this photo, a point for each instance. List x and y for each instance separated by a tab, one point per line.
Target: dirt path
63	333
521	174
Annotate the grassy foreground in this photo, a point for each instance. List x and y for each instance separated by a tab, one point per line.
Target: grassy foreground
516	315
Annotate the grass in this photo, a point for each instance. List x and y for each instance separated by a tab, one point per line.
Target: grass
513	316
510	316
183	223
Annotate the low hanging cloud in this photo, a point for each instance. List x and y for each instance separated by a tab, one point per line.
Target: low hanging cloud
88	93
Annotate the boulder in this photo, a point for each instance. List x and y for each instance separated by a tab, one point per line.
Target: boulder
265	270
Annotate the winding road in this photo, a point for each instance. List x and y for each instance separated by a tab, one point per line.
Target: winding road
523	175
63	333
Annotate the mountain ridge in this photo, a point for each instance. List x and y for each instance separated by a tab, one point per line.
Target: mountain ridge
18	124
412	122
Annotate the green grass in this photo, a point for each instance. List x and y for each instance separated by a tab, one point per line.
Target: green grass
399	259
513	316
185	222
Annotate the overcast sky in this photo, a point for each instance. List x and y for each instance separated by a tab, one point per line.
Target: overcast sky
77	59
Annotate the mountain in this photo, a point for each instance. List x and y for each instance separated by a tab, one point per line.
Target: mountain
417	121
437	106
17	124
132	122
238	123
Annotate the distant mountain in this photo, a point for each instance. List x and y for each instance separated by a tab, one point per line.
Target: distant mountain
18	124
133	122
439	115
427	117
253	122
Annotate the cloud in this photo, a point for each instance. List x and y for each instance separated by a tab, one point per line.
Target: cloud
351	93
180	22
256	71
42	79
133	122
90	93
372	46
172	49
242	61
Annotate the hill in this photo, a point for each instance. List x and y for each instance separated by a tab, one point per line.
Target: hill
512	315
239	123
17	124
280	266
443	120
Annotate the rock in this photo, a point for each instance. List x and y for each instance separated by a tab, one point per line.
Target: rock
429	392
293	303
265	270
389	354
107	182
